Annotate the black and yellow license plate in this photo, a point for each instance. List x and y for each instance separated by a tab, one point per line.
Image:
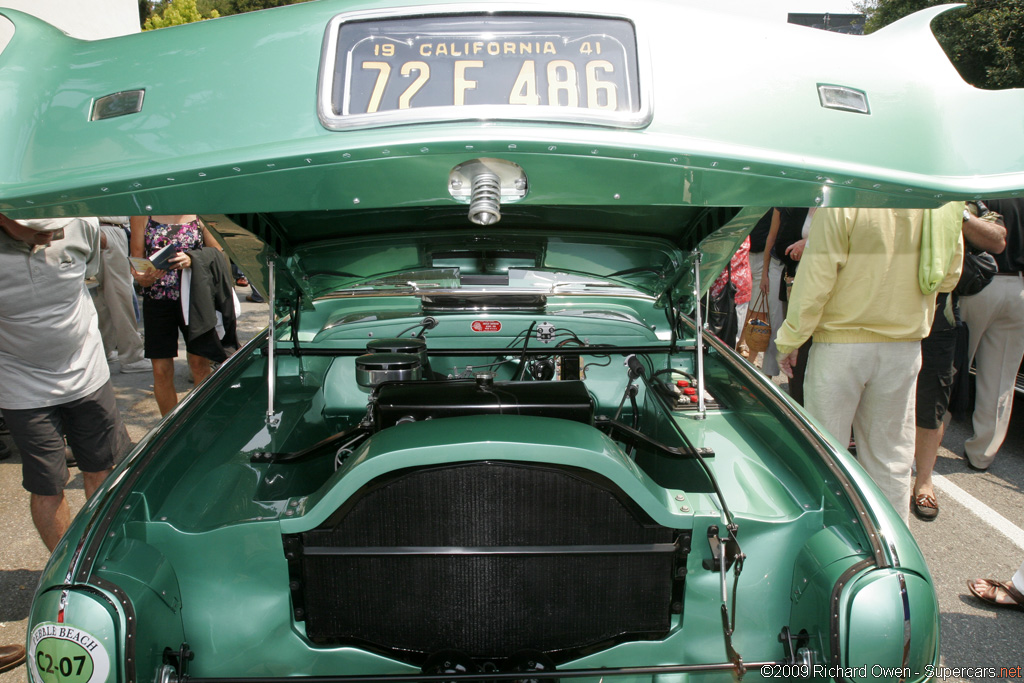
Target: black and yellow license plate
569	63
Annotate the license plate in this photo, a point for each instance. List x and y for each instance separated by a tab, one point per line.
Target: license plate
556	67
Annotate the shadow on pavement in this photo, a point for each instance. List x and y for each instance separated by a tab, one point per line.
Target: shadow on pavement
17	587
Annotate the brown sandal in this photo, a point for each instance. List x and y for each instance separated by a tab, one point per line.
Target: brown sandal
987	590
925	507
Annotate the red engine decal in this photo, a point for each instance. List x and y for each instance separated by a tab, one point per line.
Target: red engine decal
487	326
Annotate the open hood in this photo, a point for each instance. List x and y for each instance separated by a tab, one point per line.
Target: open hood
291	150
593	247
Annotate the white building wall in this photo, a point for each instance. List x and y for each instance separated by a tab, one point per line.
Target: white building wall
88	19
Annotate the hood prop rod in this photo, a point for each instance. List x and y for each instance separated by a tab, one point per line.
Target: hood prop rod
295	323
701	410
273	419
725	552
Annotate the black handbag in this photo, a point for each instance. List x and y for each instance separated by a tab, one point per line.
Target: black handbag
977	271
721	313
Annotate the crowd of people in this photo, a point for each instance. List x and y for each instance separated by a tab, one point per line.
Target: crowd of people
867	325
876	339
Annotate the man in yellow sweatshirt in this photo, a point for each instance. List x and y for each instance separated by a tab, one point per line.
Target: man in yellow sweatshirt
865	291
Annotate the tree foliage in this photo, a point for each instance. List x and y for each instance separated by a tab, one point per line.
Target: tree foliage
984	40
253	5
221	7
161	13
175	13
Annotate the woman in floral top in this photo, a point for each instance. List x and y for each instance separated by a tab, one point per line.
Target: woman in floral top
741	281
161	302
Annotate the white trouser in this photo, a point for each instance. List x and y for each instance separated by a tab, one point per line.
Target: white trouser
776	315
741	318
871	388
113	299
756	266
995	321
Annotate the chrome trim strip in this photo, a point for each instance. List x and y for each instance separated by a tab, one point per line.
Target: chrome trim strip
493	675
906	623
130	622
835	643
375	551
354	293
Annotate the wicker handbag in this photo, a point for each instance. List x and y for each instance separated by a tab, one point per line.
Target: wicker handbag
757	331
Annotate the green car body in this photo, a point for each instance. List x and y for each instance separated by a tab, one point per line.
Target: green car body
489	500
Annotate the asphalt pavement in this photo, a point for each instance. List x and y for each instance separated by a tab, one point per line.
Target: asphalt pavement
979	532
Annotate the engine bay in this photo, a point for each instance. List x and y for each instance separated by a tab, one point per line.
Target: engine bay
544	371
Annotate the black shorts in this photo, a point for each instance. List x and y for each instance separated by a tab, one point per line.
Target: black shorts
94	431
935	381
162	320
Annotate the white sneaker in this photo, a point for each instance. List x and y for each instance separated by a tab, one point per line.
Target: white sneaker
138	366
112	357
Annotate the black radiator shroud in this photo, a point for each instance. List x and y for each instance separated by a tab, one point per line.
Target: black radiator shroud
488	559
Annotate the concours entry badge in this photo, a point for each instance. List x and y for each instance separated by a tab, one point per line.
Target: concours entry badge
59	653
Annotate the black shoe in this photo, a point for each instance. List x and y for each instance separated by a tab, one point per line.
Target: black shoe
69	457
971	465
3	427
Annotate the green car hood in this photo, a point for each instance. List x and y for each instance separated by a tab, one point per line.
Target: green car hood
231	125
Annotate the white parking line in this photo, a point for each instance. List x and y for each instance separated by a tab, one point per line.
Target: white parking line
984	512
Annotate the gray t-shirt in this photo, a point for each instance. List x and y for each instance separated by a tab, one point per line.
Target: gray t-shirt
51	351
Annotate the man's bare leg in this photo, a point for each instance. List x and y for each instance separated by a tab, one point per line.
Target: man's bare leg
200	367
51	516
92	480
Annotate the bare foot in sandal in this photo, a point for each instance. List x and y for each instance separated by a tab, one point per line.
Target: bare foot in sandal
998	593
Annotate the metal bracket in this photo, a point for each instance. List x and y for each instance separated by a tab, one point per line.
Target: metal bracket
728	546
178	661
796	651
788	647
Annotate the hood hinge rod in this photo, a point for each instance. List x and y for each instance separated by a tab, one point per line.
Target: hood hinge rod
273	419
721	552
701	410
